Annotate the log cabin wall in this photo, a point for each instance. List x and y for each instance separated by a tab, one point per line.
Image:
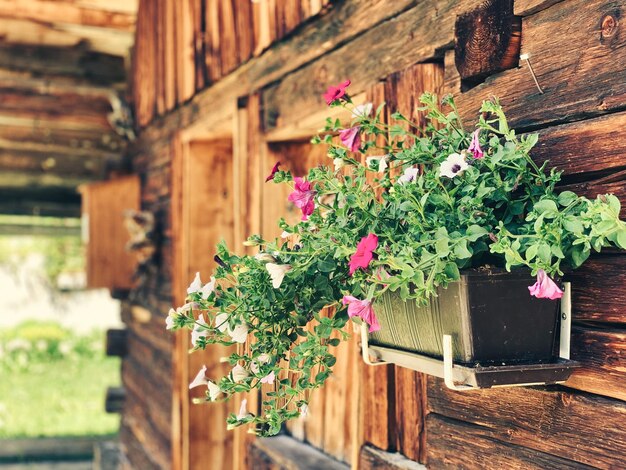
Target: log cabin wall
261	67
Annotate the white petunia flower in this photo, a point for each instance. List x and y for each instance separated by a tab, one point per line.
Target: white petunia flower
195	285
269	378
304	410
410	175
285	234
169	320
277	273
214	390
208	288
239	373
243	412
200	379
339	163
239	334
199	330
362	110
262	359
382	162
454	165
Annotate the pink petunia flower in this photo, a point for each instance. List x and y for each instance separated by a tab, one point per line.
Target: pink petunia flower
303	197
334	93
270	177
351	138
545	288
475	146
362	309
269	378
363	255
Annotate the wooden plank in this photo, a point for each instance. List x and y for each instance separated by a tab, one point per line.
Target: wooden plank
285	453
228	36
169	25
547	420
454	444
213	57
159	59
372	458
603	357
185	72
55	163
58	12
589	146
575	86
530	7
598	288
244	30
199	44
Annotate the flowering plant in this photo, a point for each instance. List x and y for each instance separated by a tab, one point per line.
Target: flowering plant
423	205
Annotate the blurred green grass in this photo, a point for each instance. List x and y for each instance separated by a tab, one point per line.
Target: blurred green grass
53	382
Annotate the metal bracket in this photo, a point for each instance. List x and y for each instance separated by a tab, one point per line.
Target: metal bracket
566	321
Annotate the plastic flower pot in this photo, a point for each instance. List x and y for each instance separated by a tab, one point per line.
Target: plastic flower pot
489	314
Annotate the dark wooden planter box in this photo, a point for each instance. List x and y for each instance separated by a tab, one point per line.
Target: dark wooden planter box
491	316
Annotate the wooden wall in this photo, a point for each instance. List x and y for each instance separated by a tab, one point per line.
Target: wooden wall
270	99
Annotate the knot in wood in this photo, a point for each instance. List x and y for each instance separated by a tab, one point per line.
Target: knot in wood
609	26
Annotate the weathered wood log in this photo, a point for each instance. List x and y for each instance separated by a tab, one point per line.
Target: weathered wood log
547	420
530	7
572	88
284	452
455	444
602	354
138	456
487	40
116	345
114	402
372	458
55	163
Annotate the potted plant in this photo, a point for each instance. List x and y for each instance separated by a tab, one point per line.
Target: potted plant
425	219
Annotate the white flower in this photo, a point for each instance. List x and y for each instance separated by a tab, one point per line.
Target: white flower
269	378
169	320
453	165
199	330
277	273
221	322
200	379
382	162
285	234
262	256
214	390
243	412
239	373
410	175
304	410
208	288
339	163
239	334
262	359
195	285
362	110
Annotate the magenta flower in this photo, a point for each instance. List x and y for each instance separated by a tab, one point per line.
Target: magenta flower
363	255
303	197
334	93
545	288
351	138
475	146
362	309
273	172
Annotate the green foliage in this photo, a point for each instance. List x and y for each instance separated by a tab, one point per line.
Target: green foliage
501	210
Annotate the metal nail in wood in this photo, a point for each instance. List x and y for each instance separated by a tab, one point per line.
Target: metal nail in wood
526	57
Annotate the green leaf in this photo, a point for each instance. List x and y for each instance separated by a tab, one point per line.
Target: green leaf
442	247
474	232
579	256
544	252
452	271
326	266
621	238
546	206
531	252
566	198
461	251
572	224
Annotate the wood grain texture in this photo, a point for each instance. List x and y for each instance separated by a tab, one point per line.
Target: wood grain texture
577	82
487	40
372	458
455	444
547	420
529	7
285	453
602	353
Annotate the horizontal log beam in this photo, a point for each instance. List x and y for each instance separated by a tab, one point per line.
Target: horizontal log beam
287	452
16	180
19	229
547	420
371	458
59	12
455	444
98	68
530	7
